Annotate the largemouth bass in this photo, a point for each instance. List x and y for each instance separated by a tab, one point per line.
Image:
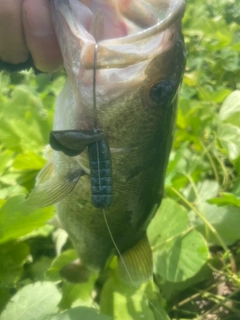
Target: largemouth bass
138	72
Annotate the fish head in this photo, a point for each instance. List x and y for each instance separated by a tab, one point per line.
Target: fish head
139	66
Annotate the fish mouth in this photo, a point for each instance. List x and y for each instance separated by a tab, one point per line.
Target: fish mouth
127	31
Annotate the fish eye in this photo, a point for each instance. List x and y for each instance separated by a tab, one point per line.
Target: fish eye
162	92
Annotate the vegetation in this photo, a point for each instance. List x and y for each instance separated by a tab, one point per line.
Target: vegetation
195	235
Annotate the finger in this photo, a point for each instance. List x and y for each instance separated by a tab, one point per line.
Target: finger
40	36
13	48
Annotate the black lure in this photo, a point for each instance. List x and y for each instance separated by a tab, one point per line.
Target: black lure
99	159
101	174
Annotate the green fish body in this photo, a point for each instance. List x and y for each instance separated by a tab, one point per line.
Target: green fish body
139	68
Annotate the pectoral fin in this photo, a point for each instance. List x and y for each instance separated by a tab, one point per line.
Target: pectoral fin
136	265
53	190
46	173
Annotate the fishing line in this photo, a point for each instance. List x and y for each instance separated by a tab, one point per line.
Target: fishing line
94	87
95	107
116	247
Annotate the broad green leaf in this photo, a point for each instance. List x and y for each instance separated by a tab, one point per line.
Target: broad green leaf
229	125
23	121
13	257
80	313
17	219
130	304
170	289
34	301
127	302
228	136
170	220
179	252
230	110
181	258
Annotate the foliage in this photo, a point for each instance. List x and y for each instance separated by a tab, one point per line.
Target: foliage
195	234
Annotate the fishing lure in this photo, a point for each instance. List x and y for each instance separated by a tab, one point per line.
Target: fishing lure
73	142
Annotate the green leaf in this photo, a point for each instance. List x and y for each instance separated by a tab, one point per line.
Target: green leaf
126	302
17	219
229	125
11	191
181	258
130	304
225	199
179	252
28	161
226	220
4	298
170	289
228	136
13	256
80	313
230	110
34	301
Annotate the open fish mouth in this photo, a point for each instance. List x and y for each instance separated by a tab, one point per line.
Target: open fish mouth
128	31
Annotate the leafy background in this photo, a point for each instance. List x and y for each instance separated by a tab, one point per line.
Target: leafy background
195	235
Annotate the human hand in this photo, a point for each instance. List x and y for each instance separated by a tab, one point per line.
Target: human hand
26	28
